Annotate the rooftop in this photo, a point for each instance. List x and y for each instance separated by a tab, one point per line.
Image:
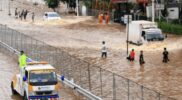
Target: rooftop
39	67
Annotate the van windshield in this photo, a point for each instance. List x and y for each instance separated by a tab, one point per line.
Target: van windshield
154	36
42	78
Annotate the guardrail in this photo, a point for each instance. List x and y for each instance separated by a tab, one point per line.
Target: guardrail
79	89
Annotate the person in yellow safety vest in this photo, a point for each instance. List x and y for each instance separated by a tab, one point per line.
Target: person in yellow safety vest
22	59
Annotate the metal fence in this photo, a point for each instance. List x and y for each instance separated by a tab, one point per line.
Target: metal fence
100	82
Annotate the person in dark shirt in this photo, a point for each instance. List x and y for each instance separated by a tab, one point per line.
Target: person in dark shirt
165	56
25	14
104	50
33	16
21	14
16	13
141	59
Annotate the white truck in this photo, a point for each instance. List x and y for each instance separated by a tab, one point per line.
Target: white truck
37	81
140	31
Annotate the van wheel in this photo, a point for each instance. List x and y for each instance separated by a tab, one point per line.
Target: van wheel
25	96
12	89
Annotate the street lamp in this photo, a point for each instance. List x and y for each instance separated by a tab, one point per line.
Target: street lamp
127	20
153	11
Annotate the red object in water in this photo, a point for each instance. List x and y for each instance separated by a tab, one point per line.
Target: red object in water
132	55
142	1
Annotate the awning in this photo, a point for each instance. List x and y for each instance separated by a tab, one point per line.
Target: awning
119	1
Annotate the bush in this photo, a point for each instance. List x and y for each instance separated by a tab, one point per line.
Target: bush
170	28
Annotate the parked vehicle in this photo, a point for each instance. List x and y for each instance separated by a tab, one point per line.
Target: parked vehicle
51	16
37	81
140	31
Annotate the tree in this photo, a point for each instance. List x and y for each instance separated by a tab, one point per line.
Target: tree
52	3
87	3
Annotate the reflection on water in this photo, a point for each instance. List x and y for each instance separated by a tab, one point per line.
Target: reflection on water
142	68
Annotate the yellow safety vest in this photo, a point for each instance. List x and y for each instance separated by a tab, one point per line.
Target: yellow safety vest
22	60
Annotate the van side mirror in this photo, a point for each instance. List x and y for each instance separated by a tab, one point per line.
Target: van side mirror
24	78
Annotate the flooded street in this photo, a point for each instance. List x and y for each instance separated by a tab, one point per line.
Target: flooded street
82	37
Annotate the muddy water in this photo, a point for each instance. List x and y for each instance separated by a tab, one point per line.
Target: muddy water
82	37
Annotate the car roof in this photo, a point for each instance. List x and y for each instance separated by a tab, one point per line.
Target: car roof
51	13
38	66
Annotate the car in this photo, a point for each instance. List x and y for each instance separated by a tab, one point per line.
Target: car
51	16
37	80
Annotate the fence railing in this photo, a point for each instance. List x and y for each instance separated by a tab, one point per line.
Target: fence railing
98	81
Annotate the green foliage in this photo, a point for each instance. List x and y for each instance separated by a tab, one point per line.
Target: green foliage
64	1
87	3
52	3
170	28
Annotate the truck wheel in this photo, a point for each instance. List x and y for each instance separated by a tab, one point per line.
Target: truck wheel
12	89
25	96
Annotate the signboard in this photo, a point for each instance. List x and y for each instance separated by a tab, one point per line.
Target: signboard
119	1
173	13
159	6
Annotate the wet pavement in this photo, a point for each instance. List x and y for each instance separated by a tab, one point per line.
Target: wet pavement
82	37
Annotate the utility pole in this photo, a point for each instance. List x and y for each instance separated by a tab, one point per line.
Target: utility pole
127	33
153	11
77	8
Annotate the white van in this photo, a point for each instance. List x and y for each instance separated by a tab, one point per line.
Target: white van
37	81
140	31
51	16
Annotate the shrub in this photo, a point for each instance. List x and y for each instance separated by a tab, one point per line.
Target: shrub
170	28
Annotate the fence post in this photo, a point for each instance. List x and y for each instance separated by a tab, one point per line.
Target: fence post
80	79
89	80
12	39
36	50
114	88
4	36
101	81
21	40
128	89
